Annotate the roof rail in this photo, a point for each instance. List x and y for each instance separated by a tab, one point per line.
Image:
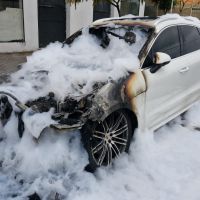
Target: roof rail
165	19
191	19
133	18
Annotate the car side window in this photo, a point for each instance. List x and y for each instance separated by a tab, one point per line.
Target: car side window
167	42
190	39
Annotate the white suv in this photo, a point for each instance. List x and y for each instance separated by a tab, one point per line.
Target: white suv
165	85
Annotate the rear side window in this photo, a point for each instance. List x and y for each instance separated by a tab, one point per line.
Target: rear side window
190	39
167	42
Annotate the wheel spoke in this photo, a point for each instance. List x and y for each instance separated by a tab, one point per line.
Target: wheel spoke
98	147
98	136
102	156
117	123
111	122
115	149
121	143
120	130
109	154
99	132
114	138
106	126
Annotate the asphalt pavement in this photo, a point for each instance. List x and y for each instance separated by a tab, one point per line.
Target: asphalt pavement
9	62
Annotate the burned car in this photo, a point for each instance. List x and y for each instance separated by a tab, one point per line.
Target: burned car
160	82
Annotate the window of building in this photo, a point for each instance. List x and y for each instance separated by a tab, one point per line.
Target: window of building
101	10
130	7
151	9
11	21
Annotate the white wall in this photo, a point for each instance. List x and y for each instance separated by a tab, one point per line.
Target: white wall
82	15
141	9
30	30
75	19
113	12
79	17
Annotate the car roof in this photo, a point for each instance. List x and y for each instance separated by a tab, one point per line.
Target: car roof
158	23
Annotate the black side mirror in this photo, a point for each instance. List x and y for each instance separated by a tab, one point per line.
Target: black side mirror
155	67
160	59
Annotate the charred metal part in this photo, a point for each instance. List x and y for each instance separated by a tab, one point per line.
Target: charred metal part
20	124
72	38
120	95
73	113
67	127
43	104
127	22
105	40
18	103
5	109
69	105
107	100
69	121
135	85
130	37
57	116
41	72
34	196
146	47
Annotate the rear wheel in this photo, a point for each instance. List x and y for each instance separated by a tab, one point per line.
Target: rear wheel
106	140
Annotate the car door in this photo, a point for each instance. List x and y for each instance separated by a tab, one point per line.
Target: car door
166	87
190	52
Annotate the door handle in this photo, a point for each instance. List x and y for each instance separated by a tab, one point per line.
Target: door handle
184	69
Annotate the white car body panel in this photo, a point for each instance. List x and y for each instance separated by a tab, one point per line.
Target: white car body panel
168	91
175	87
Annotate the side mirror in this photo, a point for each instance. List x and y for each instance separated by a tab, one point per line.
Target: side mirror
160	59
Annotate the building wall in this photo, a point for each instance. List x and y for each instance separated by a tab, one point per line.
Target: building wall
30	43
142	9
79	17
82	15
113	12
76	18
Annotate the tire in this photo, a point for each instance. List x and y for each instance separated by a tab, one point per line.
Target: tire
106	140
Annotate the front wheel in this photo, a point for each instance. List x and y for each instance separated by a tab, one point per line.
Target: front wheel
106	140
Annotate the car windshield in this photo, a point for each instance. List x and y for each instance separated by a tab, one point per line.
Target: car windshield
127	33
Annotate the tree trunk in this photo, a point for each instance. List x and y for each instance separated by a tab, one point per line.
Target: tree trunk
118	10
116	5
157	5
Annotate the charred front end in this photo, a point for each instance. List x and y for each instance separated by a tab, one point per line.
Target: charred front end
72	112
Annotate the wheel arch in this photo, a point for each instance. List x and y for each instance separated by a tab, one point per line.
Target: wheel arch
133	117
88	128
125	108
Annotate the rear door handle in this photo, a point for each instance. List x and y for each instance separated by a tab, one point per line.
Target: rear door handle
184	69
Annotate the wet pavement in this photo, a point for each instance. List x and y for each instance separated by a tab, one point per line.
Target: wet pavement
9	62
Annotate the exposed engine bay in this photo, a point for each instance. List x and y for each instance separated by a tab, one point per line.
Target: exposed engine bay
70	114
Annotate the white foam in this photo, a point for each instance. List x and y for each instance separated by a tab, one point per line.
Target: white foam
163	165
84	63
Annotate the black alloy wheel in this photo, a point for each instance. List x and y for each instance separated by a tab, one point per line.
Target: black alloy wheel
106	140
